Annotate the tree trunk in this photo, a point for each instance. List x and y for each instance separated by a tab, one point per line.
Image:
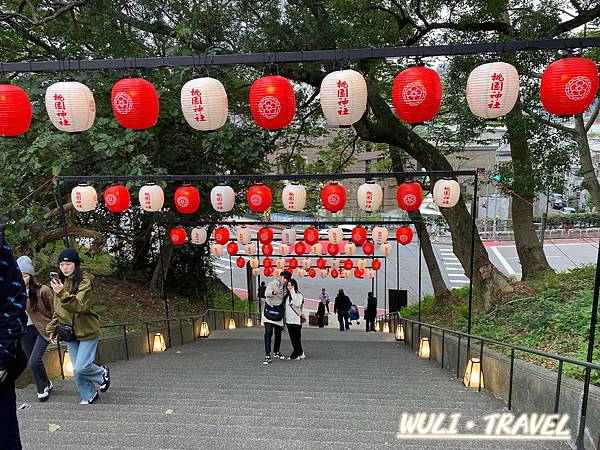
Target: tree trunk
488	280
157	279
530	251
590	182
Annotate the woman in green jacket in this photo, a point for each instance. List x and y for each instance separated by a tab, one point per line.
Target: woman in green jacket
73	307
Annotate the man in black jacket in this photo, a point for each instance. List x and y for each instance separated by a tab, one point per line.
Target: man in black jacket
12	358
341	307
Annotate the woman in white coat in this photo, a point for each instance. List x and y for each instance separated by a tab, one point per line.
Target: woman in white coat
293	312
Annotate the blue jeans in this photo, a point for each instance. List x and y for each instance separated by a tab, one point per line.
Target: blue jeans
87	374
34	346
343	320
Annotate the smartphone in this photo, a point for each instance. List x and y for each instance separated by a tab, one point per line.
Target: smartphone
54	276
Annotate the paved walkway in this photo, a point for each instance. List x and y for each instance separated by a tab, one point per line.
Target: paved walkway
348	393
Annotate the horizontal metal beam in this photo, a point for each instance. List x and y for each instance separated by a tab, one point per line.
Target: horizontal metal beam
197	223
301	56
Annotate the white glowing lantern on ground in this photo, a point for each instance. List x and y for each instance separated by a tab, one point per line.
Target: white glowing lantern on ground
386	249
379	234
254	263
151	197
255	272
284	249
243	235
317	249
70	106
216	249
84	198
222	198
250	248
306	263
350	249
280	263
288	236
361	264
293	197
335	235
492	90
446	193
199	235
369	196
343	97
204	103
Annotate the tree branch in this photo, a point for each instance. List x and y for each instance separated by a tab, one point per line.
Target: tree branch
555	125
594	115
583	18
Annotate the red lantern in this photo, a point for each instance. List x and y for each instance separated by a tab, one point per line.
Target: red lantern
333	249
312	273
267	249
187	199
404	235
409	196
240	262
348	264
232	248
368	248
135	103
265	235
321	263
259	198
417	94
222	235
268	271
359	235
178	235
272	102
116	198
376	264
268	262
333	196
335	273
299	248
293	263
311	236
15	110
569	86
358	273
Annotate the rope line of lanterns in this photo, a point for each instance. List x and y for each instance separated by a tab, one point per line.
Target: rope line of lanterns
568	86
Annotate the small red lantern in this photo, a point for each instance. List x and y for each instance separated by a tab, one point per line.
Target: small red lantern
268	262
404	235
358	273
333	249
299	248
240	262
333	196
334	273
272	102
116	198
321	263
293	263
409	196
178	235
376	264
359	235
259	198
312	273
417	94
187	199
569	86
15	110
135	103
265	235
268	271
348	264
311	236
368	248
222	235
267	249
232	248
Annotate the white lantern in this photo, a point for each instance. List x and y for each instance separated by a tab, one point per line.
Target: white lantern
84	198
369	196
335	264
216	249
300	271
250	248
70	106
199	236
306	263
284	249
386	249
323	273
492	90
446	193
152	198
255	272
254	263
361	264
379	234
350	249
204	103
335	235
346	274
280	263
293	197
222	198
343	97
317	249
370	273
243	235
277	272
288	236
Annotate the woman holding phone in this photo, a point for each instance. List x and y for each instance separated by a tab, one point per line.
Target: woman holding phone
274	313
293	315
75	322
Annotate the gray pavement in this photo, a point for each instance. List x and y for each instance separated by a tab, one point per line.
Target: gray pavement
349	393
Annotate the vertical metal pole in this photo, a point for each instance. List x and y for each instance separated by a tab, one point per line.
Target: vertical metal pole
544	218
148	337
588	371
126	346
472	269
419	236
397	267
385	310
231	285
63	219
163	283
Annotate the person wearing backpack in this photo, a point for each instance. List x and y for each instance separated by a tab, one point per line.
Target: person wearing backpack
342	307
273	314
294	319
370	311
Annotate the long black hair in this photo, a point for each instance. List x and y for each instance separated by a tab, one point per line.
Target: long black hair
295	284
77	277
32	288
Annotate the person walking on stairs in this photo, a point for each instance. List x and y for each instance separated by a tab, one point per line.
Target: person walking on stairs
273	314
342	307
294	319
370	311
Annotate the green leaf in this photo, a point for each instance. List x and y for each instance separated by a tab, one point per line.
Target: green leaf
52	427
168	412
56	170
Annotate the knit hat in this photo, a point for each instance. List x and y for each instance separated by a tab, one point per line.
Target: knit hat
69	255
25	265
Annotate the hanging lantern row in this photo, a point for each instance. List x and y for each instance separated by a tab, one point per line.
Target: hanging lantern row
568	87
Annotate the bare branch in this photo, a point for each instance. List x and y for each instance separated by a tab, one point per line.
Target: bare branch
548	122
583	18
594	115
